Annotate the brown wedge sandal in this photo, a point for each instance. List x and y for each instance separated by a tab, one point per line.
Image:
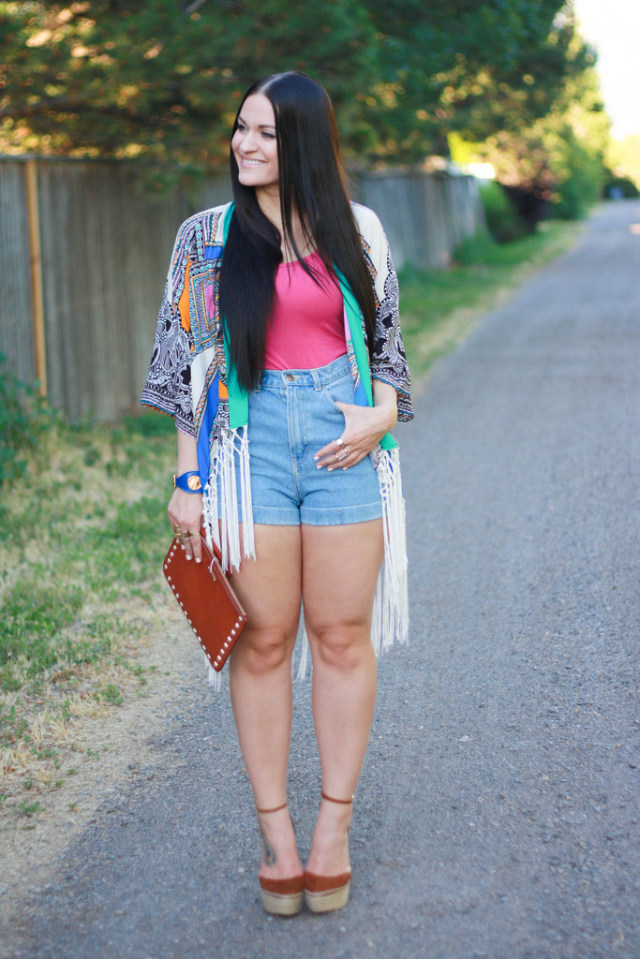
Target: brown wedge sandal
281	897
327	893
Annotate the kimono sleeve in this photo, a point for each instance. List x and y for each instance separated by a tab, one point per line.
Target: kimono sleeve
168	384
388	358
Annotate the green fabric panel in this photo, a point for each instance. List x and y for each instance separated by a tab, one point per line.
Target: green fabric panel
354	319
238	398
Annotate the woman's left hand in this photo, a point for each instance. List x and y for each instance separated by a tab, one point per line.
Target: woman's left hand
364	427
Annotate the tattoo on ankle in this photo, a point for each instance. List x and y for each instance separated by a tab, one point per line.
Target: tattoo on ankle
268	853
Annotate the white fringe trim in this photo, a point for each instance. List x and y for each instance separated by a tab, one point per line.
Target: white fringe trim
302	643
390	618
215	679
391	604
390	623
232	447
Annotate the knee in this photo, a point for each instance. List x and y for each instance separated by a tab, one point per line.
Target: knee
343	647
265	650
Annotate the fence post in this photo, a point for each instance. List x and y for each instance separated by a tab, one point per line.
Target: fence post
35	263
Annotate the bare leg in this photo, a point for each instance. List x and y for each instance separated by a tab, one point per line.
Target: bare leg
340	571
260	681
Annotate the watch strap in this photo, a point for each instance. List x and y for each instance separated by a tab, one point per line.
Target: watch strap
190	482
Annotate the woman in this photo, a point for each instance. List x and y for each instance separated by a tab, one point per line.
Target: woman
283	413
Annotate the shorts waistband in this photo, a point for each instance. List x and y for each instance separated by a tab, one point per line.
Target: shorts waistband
322	376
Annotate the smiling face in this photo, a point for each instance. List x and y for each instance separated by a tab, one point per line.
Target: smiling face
254	143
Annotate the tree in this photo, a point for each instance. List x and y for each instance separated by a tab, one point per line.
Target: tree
160	79
558	158
470	66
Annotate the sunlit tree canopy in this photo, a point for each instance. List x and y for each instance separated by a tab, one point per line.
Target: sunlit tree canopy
160	79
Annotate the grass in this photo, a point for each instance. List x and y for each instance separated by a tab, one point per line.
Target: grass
81	536
83	528
439	306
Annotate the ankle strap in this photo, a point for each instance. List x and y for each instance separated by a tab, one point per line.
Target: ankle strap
342	802
275	808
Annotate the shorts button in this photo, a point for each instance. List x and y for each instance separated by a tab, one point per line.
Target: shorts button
289	377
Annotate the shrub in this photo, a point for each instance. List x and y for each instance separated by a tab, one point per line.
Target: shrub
23	419
503	222
620	187
579	180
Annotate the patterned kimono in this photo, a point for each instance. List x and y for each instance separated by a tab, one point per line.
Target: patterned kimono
189	379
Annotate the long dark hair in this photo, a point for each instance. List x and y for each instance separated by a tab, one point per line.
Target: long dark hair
313	184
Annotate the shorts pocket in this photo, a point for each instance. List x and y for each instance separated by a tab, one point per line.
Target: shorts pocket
339	392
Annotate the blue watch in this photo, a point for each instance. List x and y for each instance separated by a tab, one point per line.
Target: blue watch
189	482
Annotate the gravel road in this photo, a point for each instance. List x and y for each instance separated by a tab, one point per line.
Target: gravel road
498	811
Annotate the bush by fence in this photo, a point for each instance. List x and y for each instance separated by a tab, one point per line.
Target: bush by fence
84	250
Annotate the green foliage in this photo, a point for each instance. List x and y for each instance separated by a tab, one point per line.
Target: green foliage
27	808
471	67
503	222
12	726
161	80
559	158
112	695
620	187
580	175
123	547
37	633
24	418
146	425
96	512
481	256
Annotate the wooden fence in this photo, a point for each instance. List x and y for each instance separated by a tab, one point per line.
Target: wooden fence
425	215
84	251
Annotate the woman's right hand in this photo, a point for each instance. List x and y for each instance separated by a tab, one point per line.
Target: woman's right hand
185	516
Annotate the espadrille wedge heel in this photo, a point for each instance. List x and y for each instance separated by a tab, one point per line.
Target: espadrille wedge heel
281	897
327	893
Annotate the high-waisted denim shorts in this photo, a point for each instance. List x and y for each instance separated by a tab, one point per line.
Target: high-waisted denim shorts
292	415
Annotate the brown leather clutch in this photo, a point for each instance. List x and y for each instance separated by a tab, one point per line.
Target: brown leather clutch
208	600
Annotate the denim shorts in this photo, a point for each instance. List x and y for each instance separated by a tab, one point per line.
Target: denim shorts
292	415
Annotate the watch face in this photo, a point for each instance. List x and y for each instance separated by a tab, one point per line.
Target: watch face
194	483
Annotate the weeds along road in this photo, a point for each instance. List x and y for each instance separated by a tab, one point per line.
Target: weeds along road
498	811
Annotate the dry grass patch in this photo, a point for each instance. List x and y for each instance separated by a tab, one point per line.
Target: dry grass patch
81	592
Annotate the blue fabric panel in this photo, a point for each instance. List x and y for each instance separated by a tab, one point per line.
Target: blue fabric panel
211	408
361	395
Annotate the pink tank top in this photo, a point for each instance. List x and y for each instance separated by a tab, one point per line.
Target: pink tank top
307	329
